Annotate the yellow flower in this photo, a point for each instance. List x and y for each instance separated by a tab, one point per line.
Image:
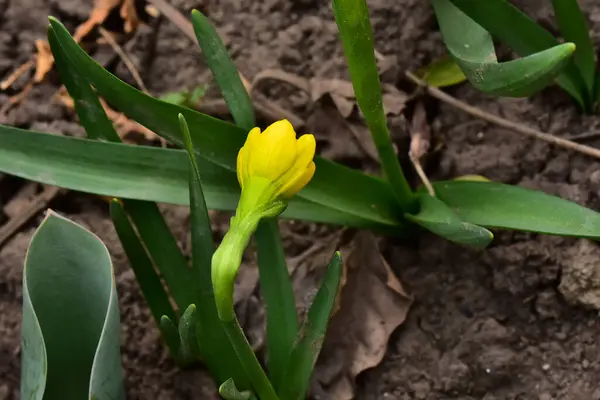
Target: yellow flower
273	165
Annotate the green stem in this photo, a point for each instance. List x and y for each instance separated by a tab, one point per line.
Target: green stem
258	378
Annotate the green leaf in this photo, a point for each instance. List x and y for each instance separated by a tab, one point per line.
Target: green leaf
229	391
170	335
278	295
436	217
188	334
155	174
352	17
87	104
225	72
473	49
511	26
163	249
442	72
145	274
70	331
346	193
497	205
305	353
574	28
213	341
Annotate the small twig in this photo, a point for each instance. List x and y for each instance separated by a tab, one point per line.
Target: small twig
35	206
16	74
124	57
494	119
585	136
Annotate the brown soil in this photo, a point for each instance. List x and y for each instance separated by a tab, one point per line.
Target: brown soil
497	324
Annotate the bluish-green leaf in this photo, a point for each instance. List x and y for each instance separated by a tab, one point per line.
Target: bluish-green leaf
438	218
473	49
304	356
70	333
352	18
523	35
497	205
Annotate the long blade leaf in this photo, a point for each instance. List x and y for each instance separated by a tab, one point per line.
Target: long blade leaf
213	343
149	173
305	353
497	205
352	18
218	142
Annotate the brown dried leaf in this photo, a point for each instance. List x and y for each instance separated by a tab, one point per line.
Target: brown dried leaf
97	16
123	125
420	140
129	15
373	304
44	60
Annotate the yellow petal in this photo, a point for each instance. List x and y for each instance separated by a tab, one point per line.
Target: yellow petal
298	182
243	156
306	150
241	166
274	151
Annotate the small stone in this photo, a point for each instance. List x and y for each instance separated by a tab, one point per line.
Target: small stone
580	282
546	367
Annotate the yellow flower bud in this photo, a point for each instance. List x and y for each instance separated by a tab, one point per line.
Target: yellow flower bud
274	165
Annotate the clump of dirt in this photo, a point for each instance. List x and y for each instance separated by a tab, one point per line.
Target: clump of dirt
511	322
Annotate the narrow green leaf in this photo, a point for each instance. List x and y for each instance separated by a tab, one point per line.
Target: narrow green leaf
188	334
170	335
473	50
87	104
155	174
336	187
436	217
442	72
260	383
213	342
229	391
225	72
305	353
507	23
278	295
498	205
70	333
145	274
574	28
352	17
163	249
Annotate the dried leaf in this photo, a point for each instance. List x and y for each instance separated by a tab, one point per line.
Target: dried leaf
373	303
44	60
123	125
129	15
97	16
420	137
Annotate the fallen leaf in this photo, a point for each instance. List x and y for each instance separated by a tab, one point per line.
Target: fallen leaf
123	125
129	15
372	304
420	137
44	60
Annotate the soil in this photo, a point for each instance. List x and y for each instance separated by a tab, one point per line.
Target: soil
517	321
